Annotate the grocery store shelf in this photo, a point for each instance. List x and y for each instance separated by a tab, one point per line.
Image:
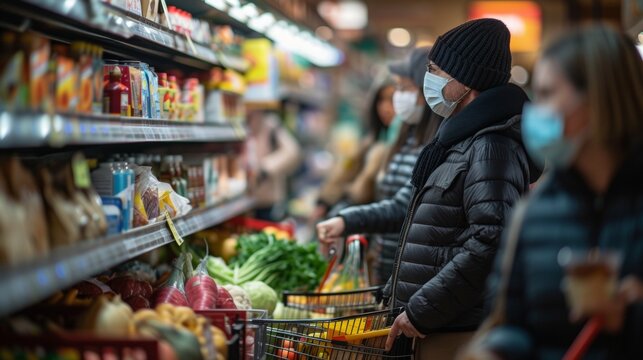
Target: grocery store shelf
120	32
25	284
28	130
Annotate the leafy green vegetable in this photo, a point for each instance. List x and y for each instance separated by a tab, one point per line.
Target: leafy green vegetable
282	265
261	295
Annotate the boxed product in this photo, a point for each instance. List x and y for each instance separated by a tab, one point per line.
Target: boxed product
155	104
85	77
97	79
13	84
66	88
39	51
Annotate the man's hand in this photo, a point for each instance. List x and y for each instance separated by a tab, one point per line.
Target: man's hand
401	325
330	233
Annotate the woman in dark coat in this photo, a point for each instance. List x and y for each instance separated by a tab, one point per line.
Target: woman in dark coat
587	121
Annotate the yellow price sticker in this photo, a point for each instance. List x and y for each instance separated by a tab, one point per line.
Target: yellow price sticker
175	234
238	129
80	170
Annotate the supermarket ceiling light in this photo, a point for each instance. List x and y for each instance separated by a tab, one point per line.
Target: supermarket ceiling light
262	23
344	15
284	33
399	37
244	13
217	4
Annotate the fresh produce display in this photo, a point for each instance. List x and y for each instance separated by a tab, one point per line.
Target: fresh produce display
261	295
239	296
282	265
201	290
224	299
185	330
173	292
108	317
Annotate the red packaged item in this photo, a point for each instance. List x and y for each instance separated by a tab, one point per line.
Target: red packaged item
201	289
115	94
173	291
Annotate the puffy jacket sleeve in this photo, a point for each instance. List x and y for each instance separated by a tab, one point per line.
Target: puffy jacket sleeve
386	216
497	176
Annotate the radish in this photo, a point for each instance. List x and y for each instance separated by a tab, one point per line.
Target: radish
173	292
201	289
224	299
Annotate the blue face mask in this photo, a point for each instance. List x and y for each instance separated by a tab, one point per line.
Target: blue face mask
543	131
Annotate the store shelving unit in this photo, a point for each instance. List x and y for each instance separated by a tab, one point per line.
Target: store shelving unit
28	283
121	33
128	37
20	130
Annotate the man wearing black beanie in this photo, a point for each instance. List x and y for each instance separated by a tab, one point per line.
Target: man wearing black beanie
465	182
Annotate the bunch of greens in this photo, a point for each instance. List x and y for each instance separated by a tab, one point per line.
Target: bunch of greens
283	265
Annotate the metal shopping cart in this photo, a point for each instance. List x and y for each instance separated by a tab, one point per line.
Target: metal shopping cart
356	337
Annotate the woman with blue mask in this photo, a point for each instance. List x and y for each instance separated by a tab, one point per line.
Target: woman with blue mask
586	124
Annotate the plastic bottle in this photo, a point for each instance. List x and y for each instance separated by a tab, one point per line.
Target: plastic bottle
130	179
116	95
176	96
165	97
120	183
181	176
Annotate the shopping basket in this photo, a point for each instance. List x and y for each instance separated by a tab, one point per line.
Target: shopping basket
341	303
322	339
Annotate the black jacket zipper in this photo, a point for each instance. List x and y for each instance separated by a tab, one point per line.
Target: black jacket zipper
398	258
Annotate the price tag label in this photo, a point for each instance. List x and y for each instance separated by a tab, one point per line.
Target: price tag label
175	234
81	172
238	130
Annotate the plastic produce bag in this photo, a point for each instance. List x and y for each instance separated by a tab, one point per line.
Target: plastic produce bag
173	292
146	197
352	273
22	185
201	289
173	203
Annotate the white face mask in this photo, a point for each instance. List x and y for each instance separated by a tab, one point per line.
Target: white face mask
433	87
404	103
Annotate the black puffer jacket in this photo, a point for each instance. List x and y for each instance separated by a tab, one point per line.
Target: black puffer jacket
454	227
564	212
396	176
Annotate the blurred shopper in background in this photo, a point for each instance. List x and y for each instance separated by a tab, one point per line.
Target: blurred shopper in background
418	127
352	180
587	121
464	181
273	154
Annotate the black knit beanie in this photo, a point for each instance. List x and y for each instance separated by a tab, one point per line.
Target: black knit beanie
475	53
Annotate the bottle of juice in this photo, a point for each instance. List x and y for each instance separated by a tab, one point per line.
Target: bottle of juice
176	97
115	94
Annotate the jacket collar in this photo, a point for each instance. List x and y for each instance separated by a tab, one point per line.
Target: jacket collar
511	127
